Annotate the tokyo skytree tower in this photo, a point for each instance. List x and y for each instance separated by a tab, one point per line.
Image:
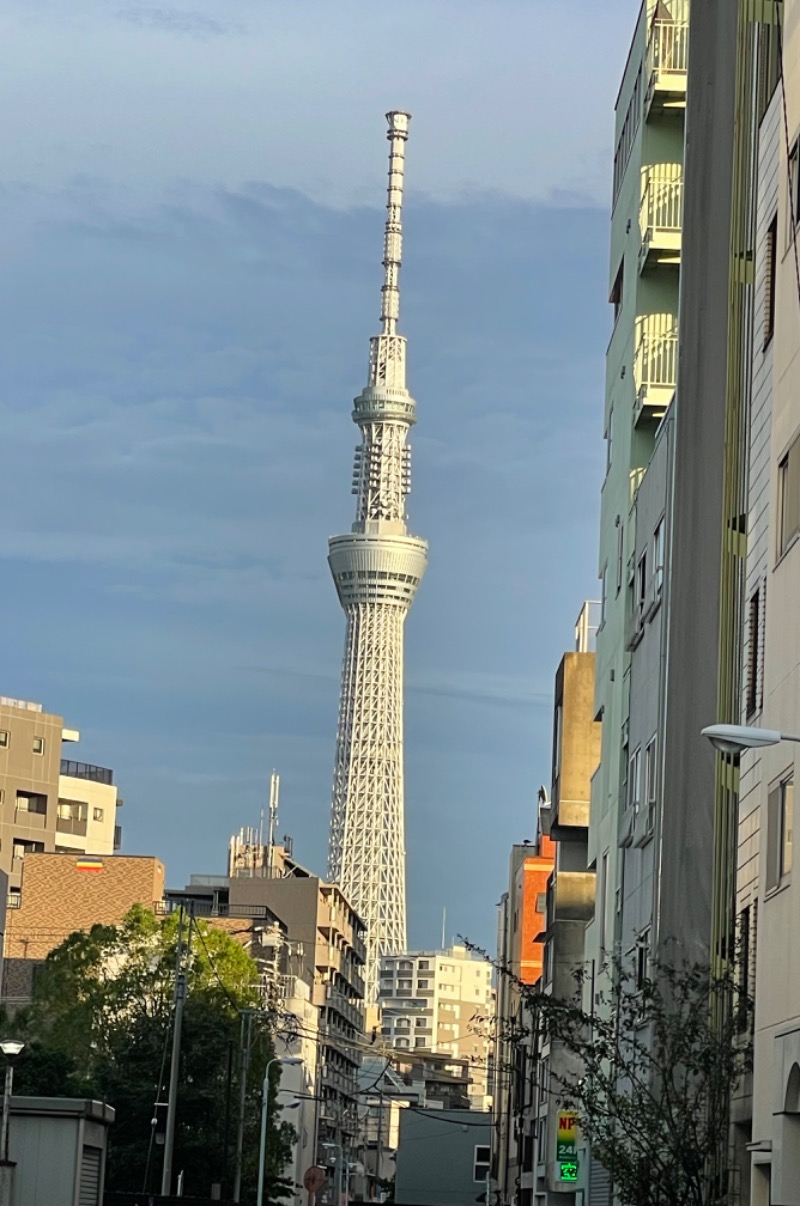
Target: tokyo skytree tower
377	569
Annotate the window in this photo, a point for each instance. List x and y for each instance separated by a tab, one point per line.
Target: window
780	835
419	1042
422	985
769	65
793	208
641	588
603	595
21	848
97	814
541	902
5	739
403	1043
423	965
541	1141
770	265
29	801
547	963
650	778
544	1080
753	642
635	779
616	290
642	958
789	497
38	745
658	557
420	1022
620	552
610	439
481	1162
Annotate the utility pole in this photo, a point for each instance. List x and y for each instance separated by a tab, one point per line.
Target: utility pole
244	1065
174	1068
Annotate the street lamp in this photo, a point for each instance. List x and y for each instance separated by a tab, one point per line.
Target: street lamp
286	1061
11	1049
735	738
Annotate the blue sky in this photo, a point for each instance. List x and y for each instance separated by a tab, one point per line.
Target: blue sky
190	230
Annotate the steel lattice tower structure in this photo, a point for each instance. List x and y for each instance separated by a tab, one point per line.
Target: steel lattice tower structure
377	569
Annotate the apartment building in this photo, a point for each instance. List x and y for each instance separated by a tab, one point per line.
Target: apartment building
641	374
313	937
767	1111
441	1001
641	366
49	803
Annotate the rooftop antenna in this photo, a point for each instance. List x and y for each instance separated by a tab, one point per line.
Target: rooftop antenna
274	794
444	923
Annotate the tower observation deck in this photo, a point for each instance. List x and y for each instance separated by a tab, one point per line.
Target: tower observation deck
377	568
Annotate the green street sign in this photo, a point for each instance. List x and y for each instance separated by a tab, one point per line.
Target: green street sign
568	1170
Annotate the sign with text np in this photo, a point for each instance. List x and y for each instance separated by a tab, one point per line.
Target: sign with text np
566	1146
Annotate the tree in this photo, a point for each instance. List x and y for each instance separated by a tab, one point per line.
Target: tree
100	1025
661	1060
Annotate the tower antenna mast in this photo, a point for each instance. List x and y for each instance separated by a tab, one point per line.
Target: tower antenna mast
377	568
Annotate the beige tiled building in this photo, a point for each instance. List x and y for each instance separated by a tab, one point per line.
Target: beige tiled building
63	893
441	1001
49	803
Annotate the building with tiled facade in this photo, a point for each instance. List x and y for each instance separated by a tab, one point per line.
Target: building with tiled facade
63	893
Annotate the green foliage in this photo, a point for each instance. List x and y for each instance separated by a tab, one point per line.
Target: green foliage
100	1025
660	1060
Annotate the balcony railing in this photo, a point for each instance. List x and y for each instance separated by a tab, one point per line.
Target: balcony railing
661	214
668	59
655	365
85	770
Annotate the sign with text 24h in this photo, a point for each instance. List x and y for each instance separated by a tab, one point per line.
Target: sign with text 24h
566	1146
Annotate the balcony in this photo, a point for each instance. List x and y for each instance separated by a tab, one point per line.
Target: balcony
655	366
661	215
85	770
667	59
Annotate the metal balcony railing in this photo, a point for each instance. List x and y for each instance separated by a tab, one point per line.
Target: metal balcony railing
85	770
661	213
655	365
668	58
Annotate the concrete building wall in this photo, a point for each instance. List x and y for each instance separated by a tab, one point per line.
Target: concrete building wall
697	520
438	1154
650	125
640	828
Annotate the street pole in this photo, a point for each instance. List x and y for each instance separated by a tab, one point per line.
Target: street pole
378	1152
262	1150
244	1066
174	1068
226	1137
9	1083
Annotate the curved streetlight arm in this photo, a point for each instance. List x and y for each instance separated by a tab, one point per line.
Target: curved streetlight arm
735	738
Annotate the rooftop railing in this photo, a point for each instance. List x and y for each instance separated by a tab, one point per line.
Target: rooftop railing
85	770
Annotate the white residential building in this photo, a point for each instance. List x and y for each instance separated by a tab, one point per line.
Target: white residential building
441	1001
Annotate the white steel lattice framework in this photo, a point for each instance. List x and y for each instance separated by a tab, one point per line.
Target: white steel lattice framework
377	569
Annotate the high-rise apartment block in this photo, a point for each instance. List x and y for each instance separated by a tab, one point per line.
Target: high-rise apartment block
312	950
377	569
441	1001
49	803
